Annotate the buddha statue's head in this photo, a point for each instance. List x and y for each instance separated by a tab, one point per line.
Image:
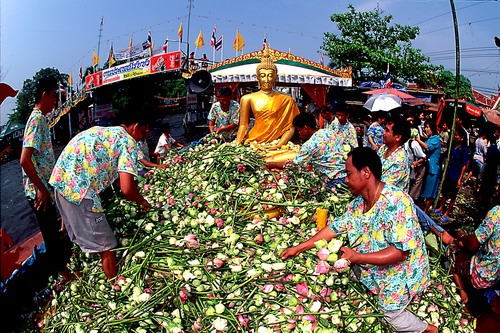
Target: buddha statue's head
267	72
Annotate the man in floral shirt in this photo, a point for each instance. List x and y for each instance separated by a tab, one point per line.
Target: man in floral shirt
89	164
37	161
388	253
395	163
319	151
345	133
224	115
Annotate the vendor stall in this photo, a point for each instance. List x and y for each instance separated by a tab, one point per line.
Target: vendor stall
293	71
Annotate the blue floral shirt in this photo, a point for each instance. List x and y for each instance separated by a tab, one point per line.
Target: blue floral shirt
376	132
91	162
486	262
395	168
222	118
323	154
37	136
345	134
391	221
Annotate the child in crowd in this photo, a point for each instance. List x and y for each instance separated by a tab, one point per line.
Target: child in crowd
459	158
166	142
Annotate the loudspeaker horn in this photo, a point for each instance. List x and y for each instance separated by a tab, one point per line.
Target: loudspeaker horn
200	81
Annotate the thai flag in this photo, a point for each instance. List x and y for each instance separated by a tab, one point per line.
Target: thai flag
213	40
165	46
388	82
149	42
218	44
322	60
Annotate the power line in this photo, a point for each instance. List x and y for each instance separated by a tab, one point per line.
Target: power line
469	49
490	19
448	12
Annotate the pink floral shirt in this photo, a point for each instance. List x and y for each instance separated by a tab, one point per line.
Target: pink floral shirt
395	168
91	162
37	136
391	221
486	262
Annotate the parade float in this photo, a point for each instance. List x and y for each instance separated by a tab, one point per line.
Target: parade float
206	258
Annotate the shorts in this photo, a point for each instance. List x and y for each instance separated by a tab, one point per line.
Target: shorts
403	320
90	230
450	189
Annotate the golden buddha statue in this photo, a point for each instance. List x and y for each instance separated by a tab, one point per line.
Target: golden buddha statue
272	110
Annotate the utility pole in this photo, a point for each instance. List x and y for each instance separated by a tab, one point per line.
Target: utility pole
455	107
189	24
100	35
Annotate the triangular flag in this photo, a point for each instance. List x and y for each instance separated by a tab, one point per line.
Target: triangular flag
199	41
179	32
81	72
213	40
239	42
111	57
95	59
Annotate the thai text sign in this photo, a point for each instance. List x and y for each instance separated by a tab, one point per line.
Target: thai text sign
126	71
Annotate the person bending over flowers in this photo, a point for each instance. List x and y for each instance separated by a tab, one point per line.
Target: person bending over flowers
389	256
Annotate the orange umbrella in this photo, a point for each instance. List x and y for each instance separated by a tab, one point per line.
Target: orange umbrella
391	91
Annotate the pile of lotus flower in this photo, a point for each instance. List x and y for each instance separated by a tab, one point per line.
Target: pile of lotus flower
207	258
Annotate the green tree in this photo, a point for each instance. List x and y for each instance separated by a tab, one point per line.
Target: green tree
446	80
367	42
26	97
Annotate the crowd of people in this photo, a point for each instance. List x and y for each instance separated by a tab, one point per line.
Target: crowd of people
394	172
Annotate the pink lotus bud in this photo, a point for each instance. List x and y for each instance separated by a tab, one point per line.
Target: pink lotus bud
219	222
309	318
243	321
259	239
302	289
267	288
323	254
183	296
341	265
218	262
299	309
325	292
322	268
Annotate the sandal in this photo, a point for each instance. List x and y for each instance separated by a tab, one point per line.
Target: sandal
437	211
443	219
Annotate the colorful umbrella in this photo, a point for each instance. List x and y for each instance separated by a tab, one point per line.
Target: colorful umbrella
391	91
382	102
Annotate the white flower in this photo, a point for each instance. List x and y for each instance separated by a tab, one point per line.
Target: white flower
271	319
149	226
315	307
267	267
228	230
220	324
219	308
187	275
235	268
140	254
144	297
176	313
194	262
279	266
253	272
112	305
263	329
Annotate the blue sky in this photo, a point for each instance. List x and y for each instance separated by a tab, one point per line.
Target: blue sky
64	34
